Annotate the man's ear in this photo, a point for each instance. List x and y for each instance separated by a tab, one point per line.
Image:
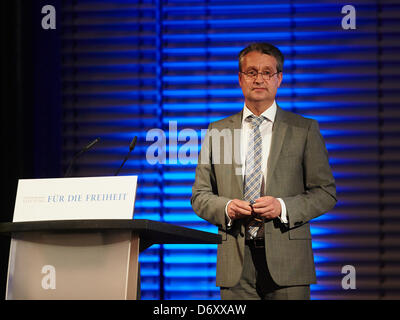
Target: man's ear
240	78
280	77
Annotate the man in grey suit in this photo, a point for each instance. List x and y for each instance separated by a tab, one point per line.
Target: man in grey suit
262	175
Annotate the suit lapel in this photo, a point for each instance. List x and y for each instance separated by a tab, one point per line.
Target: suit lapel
278	135
236	124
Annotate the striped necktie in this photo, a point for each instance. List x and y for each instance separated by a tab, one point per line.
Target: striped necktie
253	175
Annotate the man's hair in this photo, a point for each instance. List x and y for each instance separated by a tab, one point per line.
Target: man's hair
265	48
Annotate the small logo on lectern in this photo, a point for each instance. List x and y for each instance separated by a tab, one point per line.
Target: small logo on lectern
49	280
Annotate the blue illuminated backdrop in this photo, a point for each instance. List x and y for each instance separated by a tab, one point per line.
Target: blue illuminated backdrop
131	66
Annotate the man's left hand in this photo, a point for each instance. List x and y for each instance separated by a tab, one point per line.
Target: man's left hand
267	207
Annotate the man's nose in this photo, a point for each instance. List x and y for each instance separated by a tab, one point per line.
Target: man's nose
259	78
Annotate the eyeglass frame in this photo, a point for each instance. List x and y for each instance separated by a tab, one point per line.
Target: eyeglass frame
256	75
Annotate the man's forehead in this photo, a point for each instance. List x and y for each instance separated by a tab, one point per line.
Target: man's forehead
257	59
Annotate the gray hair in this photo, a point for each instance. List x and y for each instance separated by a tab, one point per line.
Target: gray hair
265	48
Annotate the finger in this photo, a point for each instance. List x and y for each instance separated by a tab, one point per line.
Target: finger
260	210
260	204
266	215
236	203
263	206
264	210
273	213
242	211
243	205
264	201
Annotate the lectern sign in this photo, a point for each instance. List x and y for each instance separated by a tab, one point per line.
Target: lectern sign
75	198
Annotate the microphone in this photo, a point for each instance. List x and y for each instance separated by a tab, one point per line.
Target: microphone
131	147
86	148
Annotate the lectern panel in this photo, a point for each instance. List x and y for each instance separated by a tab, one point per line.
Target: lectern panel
69	265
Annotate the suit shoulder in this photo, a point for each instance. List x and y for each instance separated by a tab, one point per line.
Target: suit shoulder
225	122
297	120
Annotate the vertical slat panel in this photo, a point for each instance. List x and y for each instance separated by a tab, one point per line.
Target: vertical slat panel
335	82
389	118
110	91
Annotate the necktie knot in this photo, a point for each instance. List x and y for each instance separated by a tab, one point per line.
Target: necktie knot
255	121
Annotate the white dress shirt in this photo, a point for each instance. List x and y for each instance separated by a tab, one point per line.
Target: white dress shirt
266	136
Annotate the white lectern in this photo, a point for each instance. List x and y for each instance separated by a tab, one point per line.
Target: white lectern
85	259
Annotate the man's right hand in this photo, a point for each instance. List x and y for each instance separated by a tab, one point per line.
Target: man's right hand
238	209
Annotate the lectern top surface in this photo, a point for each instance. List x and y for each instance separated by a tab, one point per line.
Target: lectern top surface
147	229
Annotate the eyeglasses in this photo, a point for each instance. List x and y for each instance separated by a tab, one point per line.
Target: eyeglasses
252	75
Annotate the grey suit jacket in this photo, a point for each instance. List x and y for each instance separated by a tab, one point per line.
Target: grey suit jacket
298	172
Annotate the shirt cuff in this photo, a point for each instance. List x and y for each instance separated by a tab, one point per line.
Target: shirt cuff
283	216
229	221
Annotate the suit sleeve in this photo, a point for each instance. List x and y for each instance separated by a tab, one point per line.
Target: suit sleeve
205	200
320	189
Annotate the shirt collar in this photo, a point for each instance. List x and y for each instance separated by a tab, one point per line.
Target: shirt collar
269	113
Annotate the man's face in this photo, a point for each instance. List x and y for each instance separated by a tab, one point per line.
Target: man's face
259	91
